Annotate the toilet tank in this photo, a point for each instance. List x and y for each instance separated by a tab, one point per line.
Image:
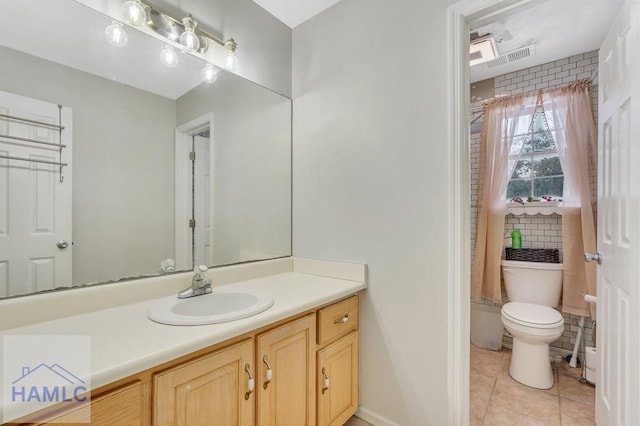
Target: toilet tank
533	282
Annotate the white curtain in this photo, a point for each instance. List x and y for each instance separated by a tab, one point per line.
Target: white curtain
504	119
574	131
568	114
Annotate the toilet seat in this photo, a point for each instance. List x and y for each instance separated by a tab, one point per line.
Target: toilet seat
531	315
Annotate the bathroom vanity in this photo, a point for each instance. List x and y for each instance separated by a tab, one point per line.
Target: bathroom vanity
298	359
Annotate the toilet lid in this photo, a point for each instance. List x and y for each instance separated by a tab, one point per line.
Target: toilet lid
532	315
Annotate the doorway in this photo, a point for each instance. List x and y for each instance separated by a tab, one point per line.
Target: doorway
194	233
461	15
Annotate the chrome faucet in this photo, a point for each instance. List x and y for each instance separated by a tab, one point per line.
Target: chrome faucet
199	285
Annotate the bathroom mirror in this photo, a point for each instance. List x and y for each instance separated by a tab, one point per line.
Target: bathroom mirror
138	202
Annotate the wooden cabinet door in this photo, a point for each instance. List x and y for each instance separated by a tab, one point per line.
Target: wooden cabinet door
212	390
337	389
288	398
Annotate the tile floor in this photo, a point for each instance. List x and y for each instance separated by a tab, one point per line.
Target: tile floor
496	399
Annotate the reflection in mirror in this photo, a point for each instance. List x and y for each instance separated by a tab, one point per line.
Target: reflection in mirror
162	171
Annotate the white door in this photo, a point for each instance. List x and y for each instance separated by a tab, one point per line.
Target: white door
194	194
618	309
35	206
202	199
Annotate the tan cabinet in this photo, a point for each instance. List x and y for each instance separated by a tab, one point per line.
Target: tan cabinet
337	320
301	372
286	374
337	390
337	367
211	390
122	406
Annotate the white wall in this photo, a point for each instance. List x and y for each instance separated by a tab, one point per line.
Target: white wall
251	140
122	166
370	167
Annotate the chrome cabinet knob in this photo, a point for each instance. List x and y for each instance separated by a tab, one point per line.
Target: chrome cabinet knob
588	257
62	244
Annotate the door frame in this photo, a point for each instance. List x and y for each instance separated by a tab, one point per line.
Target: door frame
459	18
184	132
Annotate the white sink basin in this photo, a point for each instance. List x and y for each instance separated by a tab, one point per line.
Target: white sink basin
222	305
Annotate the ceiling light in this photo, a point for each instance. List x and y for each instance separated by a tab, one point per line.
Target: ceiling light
189	38
231	62
482	49
209	74
134	12
169	57
116	35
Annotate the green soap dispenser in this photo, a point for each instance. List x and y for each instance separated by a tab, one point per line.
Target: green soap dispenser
516	239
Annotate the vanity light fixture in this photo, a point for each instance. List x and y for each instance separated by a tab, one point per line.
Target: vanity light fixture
169	57
182	34
116	35
185	33
231	62
209	74
134	12
189	39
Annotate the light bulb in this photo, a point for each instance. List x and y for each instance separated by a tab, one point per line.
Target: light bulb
169	57
209	74
189	38
231	62
115	34
134	12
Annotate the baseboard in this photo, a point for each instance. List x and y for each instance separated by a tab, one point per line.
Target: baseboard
374	418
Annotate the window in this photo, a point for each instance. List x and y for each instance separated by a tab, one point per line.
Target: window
538	172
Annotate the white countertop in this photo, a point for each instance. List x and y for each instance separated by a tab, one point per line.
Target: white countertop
124	341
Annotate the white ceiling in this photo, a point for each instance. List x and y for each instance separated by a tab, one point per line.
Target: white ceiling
295	12
557	28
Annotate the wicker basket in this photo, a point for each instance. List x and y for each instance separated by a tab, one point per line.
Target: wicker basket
533	255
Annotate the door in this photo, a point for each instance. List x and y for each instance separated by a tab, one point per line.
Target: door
202	202
35	204
286	374
337	381
194	200
618	306
212	390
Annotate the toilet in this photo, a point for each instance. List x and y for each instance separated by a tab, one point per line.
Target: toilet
533	290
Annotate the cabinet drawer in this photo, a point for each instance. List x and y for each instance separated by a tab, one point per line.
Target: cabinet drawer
337	320
123	406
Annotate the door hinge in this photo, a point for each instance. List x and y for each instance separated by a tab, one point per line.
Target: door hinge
192	223
192	156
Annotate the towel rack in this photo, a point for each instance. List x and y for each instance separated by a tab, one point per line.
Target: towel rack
33	160
32	122
57	145
59	127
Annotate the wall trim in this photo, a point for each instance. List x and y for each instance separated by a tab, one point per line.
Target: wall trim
374	418
460	16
